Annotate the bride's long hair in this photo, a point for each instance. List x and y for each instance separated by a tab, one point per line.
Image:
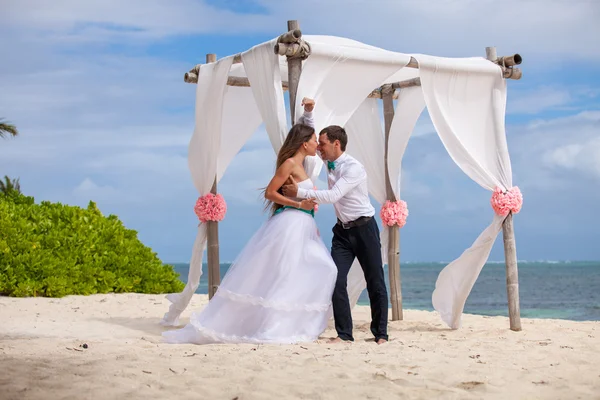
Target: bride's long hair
298	135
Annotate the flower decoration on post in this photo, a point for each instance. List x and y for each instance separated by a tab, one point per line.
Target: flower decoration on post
210	207
505	202
394	213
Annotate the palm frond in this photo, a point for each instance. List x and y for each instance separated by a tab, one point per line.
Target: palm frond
10	185
7	129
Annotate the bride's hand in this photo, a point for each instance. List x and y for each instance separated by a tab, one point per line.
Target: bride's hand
307	204
308	104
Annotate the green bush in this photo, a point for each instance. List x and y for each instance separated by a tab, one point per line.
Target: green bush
54	250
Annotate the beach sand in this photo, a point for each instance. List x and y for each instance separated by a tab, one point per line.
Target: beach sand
42	357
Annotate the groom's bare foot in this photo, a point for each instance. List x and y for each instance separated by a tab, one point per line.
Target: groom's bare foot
335	340
381	341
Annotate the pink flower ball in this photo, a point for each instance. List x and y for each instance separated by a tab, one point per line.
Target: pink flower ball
394	213
505	202
210	207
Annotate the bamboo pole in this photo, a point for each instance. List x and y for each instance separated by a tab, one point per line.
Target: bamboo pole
292	35
393	231
294	71
214	273
290	48
375	94
507	63
512	273
192	75
510	250
244	82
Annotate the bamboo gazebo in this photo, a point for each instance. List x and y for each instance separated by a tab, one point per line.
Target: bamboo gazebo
466	99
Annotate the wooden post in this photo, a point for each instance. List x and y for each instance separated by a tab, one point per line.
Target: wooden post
510	252
490	53
294	71
214	272
512	273
394	231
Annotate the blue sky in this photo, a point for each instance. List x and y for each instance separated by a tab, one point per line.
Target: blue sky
96	89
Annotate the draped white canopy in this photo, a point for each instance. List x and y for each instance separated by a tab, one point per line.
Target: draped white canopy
465	97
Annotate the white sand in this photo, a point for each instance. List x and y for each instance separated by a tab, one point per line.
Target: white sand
41	357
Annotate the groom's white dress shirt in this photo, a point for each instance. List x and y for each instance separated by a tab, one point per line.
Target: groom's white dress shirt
348	190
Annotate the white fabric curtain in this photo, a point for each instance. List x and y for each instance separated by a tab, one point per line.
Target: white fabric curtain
211	105
409	108
366	143
236	131
340	77
203	152
339	74
466	99
262	68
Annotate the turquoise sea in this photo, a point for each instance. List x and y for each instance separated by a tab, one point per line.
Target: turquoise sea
561	290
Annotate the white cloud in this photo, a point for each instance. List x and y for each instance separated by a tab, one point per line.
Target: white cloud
460	28
583	157
100	90
587	118
413	187
534	101
111	20
546	98
160	165
88	190
551	30
545	150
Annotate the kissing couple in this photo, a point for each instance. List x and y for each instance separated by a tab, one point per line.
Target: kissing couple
284	285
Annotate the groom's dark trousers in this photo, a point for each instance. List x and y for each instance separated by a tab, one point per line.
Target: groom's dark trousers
360	239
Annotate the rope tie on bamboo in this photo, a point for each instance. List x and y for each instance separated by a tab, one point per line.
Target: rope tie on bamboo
300	50
510	74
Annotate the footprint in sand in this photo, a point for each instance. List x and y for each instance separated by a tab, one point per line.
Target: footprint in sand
470	385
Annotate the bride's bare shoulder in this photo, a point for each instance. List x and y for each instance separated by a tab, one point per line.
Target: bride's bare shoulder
290	164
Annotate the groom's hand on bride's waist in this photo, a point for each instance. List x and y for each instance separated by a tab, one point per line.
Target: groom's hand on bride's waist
290	190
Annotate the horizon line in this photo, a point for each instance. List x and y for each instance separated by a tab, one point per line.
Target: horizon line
204	262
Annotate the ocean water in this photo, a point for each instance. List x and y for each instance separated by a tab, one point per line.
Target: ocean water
558	290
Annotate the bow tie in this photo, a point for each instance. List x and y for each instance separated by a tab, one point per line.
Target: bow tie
330	165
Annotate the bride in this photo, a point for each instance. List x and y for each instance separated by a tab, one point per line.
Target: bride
279	288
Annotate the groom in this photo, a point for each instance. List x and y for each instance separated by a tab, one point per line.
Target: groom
355	234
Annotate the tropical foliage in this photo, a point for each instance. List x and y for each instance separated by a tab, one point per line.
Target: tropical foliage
54	250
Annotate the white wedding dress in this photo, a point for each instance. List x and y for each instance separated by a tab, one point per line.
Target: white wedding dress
278	290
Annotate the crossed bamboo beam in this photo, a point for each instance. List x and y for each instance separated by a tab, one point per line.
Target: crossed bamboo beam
507	64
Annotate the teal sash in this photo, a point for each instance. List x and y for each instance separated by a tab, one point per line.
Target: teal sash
311	212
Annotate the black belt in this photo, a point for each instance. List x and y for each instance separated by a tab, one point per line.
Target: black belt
353	224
